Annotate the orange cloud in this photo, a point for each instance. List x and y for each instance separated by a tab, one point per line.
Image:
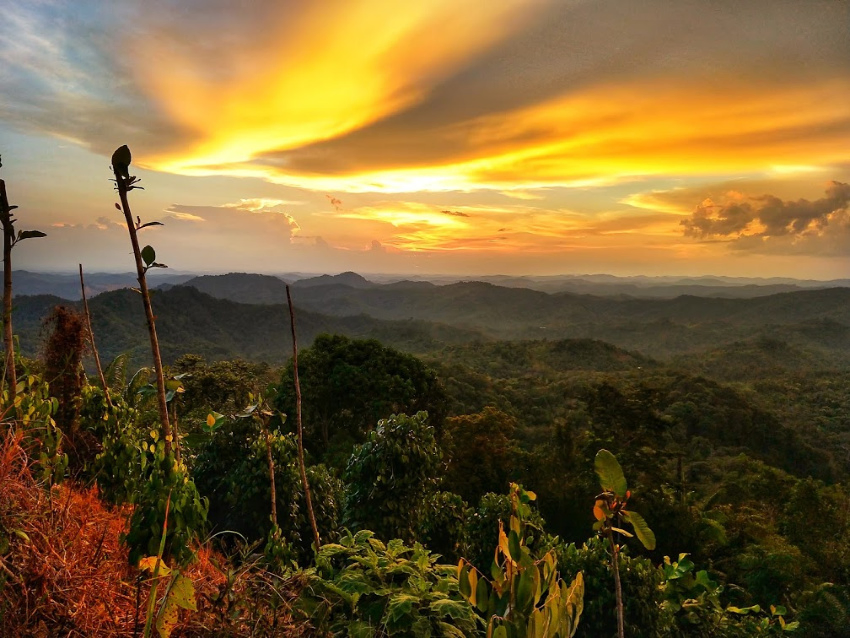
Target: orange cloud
317	74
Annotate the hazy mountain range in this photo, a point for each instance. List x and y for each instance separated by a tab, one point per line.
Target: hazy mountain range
240	315
67	285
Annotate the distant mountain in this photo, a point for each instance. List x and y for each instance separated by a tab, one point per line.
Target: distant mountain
421	317
263	289
67	285
349	278
242	287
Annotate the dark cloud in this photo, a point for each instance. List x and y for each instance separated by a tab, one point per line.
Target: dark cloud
454	213
778	217
771	224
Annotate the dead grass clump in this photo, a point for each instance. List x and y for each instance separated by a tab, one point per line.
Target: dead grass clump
64	571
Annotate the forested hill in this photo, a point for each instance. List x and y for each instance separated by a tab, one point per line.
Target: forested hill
783	329
190	321
811	319
502	308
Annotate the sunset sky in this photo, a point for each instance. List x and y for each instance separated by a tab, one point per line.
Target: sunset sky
442	136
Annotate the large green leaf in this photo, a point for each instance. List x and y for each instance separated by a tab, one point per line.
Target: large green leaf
644	534
610	473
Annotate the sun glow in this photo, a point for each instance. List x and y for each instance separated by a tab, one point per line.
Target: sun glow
320	75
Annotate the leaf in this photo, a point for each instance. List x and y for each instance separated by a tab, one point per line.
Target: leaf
30	234
463	580
481	595
525	591
644	534
145	225
247	412
610	473
598	512
183	593
514	545
148	563
448	607
148	255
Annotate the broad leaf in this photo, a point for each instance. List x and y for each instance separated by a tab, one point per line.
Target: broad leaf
610	473
644	534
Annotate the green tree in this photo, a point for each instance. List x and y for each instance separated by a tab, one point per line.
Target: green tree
348	385
391	475
480	453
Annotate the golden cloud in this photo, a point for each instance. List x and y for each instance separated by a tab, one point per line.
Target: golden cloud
317	74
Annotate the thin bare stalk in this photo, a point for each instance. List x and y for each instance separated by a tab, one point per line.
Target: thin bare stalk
270	460
123	183
91	340
8	336
298	421
176	429
615	564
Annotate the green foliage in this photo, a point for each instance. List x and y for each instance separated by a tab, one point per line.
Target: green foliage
482	529
524	595
163	476
348	385
391	475
133	467
443	525
33	410
361	587
480	454
610	508
231	469
694	599
644	615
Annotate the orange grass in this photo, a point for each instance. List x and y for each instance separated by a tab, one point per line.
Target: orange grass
65	572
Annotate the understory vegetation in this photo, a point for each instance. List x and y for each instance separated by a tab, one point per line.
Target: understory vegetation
746	501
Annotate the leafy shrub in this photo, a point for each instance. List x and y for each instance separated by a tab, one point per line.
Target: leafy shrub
644	615
482	529
361	587
231	469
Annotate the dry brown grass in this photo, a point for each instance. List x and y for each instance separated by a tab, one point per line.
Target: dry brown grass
64	572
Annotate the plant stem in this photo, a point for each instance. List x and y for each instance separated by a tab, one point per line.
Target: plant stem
155	579
8	337
146	298
91	340
615	564
298	421
270	460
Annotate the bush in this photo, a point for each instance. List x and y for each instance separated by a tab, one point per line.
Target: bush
362	587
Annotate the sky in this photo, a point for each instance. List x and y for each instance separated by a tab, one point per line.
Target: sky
521	137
